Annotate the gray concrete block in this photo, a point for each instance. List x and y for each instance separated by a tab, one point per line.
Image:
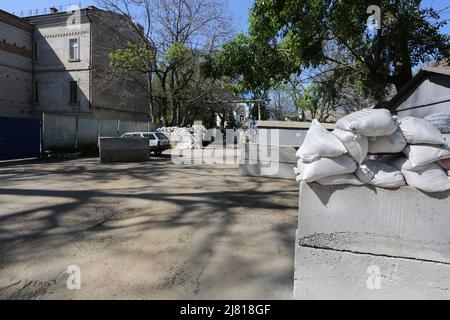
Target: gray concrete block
250	170
343	230
331	274
278	170
285	132
268	161
124	149
268	169
404	222
259	152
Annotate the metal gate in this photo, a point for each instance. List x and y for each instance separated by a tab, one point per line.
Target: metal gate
19	138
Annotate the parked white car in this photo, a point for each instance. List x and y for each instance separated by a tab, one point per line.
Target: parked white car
158	142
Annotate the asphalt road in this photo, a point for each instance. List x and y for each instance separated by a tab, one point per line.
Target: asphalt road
152	230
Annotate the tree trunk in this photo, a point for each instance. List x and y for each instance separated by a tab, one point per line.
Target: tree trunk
402	74
150	98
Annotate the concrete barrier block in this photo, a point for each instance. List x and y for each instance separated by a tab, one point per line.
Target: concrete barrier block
343	230
124	149
268	169
268	161
404	222
250	170
331	274
259	152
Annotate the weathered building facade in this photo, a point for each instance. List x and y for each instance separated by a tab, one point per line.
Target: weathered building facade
62	62
16	68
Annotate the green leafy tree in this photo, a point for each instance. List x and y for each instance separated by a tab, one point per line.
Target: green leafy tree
140	60
314	31
249	68
174	37
329	43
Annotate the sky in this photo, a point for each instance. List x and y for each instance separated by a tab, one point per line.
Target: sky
238	8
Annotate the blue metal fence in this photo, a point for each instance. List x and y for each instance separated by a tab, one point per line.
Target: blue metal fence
19	138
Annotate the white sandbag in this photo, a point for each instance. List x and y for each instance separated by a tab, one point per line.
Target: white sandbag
420	131
325	167
380	174
393	143
348	178
428	178
440	120
319	143
369	122
356	144
423	154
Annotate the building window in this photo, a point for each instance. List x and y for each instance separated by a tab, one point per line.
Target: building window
74	50
73	92
36	92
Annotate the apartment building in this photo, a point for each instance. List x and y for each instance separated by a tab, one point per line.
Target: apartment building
61	60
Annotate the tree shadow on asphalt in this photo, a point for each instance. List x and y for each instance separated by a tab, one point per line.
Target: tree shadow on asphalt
53	226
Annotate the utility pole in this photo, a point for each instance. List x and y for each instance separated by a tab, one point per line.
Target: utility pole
259	110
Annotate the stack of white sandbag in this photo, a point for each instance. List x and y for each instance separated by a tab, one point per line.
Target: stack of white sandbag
356	152
383	137
427	156
185	137
322	158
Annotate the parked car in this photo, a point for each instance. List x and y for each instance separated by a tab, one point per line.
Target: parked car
158	142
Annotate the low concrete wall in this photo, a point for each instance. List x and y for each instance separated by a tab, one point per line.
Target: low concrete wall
280	137
344	230
64	131
284	133
124	149
268	161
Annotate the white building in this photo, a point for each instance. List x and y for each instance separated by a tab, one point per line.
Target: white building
58	63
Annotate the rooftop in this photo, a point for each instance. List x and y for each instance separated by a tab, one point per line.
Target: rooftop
441	67
15	21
